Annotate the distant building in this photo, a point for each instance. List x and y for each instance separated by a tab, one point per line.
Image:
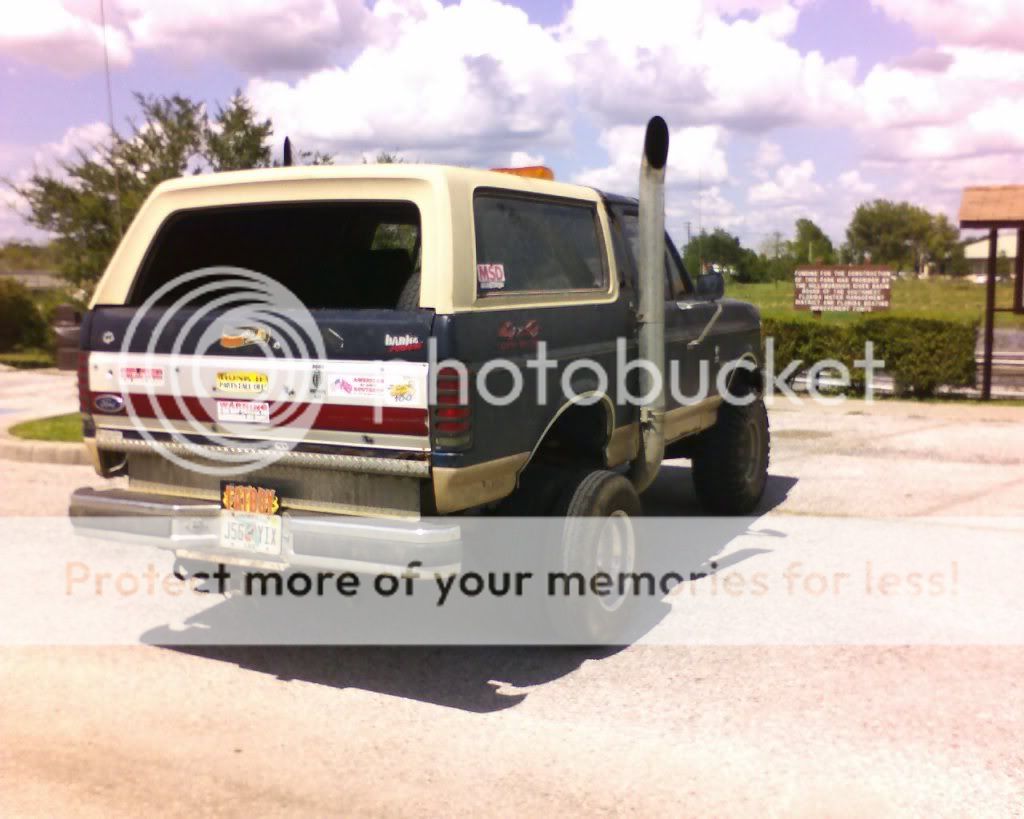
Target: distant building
976	254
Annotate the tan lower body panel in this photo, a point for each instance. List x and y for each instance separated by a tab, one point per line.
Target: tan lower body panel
679	423
469	486
683	421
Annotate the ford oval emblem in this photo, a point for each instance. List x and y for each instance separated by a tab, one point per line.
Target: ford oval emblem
109	403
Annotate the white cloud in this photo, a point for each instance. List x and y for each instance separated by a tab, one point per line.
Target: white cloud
792	184
46	32
254	35
768	157
682	59
696	156
996	23
522	159
971	108
462	83
854	183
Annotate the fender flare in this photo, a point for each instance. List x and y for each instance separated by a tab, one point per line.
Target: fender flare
609	416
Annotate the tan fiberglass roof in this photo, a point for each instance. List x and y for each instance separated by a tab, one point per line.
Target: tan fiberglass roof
474	177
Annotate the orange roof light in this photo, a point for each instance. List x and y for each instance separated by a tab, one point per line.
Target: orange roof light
530	171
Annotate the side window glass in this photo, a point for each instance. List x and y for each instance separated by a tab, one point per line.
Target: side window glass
533	244
675	282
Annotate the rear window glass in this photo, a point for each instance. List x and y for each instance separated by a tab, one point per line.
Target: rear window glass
330	254
533	244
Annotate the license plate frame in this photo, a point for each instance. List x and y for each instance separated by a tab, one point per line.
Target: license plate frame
250	519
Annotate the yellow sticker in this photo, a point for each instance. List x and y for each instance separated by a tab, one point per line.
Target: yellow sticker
242	383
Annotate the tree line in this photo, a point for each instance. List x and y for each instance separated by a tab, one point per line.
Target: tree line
93	197
897	234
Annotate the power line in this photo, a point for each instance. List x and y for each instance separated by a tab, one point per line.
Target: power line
118	222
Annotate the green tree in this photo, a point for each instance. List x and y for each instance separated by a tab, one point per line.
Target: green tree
236	139
900	234
811	245
725	250
96	195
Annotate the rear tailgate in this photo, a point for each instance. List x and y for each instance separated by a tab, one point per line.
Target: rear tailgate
368	392
347	432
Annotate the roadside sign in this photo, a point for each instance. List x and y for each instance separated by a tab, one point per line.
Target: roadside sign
842	289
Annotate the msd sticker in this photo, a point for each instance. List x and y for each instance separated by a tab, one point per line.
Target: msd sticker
146	376
490	276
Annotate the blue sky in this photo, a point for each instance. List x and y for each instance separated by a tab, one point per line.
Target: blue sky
779	108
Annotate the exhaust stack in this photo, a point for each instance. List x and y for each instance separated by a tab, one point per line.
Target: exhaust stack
651	317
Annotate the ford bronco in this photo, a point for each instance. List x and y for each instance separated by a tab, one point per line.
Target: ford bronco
476	341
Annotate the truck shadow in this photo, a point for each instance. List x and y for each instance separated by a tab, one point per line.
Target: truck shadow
473	678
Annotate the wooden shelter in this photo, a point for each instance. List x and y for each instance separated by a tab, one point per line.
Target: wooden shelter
992	208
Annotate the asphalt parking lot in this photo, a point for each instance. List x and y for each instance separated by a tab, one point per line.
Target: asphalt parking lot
731	729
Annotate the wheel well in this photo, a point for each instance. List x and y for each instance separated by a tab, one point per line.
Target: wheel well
577	435
743	379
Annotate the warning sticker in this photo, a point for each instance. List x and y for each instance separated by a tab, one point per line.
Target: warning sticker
246	412
490	276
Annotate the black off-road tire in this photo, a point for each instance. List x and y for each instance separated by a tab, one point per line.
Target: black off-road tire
730	460
597	536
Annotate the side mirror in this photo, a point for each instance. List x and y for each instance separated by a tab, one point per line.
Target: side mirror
711	286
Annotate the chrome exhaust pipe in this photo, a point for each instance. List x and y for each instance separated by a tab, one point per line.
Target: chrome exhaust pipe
651	313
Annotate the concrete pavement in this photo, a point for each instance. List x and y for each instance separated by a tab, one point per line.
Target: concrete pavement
748	730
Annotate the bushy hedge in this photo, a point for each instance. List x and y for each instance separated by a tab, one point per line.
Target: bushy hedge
921	354
21	324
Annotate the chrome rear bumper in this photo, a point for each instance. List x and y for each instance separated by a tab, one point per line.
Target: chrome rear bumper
191	528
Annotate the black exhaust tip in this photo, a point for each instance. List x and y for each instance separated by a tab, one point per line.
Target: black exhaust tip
656	143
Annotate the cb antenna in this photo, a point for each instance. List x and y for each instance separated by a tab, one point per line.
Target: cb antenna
118	221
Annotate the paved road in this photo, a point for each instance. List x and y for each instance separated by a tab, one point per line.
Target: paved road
838	730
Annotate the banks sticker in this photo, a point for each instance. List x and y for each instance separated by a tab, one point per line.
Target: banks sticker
245	412
402	344
490	276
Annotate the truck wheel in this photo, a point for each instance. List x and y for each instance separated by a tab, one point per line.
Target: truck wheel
730	462
598	537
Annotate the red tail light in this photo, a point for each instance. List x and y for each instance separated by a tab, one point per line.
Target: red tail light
451	414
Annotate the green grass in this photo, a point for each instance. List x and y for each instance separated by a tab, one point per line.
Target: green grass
58	428
28	359
929	298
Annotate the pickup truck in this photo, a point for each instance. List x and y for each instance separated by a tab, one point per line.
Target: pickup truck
428	293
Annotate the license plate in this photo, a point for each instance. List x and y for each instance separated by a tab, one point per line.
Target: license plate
245	532
249	519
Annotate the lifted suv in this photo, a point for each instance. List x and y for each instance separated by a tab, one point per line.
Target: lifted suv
456	340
